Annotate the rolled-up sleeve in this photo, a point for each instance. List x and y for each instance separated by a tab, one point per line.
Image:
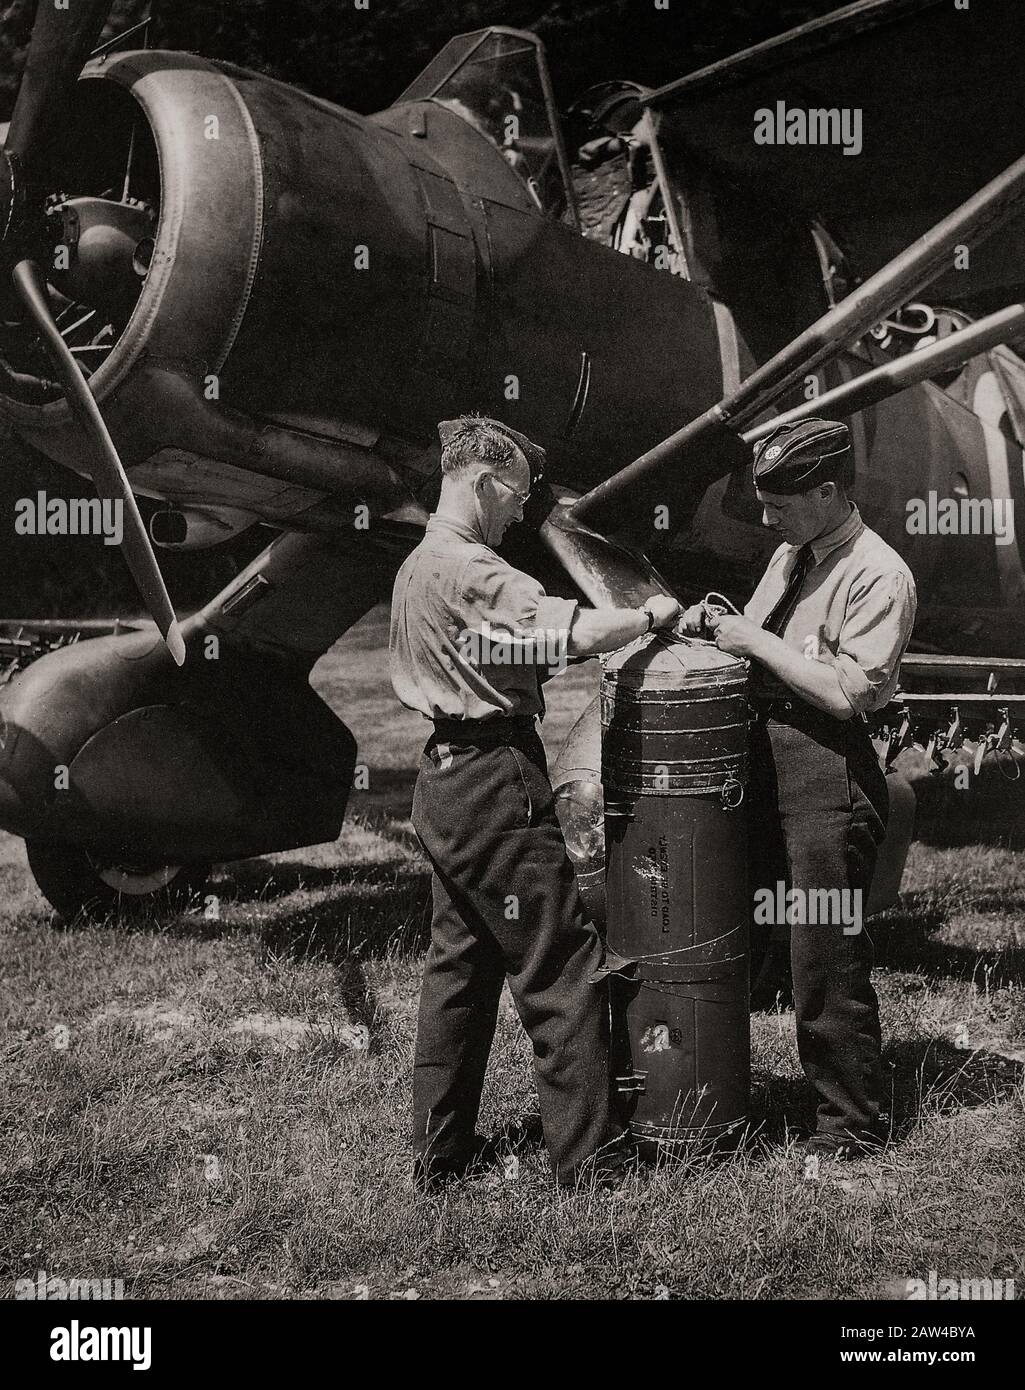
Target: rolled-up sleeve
875	632
504	600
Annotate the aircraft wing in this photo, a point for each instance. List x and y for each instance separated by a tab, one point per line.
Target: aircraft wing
942	111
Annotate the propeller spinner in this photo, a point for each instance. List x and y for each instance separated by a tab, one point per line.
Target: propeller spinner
62	40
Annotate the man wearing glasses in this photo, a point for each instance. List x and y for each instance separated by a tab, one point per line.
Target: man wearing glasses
505	901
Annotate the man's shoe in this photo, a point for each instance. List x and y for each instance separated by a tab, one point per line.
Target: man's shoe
431	1174
607	1170
846	1147
610	1174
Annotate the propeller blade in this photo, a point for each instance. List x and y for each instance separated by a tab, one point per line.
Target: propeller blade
108	475
62	40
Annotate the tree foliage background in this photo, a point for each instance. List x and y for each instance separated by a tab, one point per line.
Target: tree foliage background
362	59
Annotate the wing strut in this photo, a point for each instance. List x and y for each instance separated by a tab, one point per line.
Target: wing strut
890	378
710	445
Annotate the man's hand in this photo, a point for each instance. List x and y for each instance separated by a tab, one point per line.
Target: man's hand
815	681
663	609
736	635
694	619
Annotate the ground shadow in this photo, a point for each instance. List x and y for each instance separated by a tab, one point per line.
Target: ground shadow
371	913
260	880
931	1074
356	912
780	1105
367	916
390	791
990	810
905	939
920	1076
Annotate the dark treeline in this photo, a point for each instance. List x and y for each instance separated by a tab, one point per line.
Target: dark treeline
361	59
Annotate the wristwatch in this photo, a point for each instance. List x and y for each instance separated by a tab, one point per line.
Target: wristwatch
650	616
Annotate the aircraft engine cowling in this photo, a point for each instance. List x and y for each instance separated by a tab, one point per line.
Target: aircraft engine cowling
257	277
138	252
234	249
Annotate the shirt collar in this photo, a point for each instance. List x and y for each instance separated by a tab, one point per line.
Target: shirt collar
851	526
448	525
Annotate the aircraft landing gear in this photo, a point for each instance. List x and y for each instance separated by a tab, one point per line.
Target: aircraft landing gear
77	882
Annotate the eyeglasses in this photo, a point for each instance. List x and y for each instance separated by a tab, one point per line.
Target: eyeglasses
521	497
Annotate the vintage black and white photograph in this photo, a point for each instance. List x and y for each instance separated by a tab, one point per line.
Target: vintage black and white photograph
512	660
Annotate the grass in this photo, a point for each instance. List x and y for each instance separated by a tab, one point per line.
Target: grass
190	1105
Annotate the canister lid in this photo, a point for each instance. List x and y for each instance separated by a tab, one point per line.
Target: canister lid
659	660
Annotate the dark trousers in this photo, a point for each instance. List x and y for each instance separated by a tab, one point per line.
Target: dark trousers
505	906
818	814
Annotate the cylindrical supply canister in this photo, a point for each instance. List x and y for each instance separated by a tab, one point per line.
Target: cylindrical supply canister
674	769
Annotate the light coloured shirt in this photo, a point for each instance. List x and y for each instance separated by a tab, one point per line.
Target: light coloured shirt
855	610
471	636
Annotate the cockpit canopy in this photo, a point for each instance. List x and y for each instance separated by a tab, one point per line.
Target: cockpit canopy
497	81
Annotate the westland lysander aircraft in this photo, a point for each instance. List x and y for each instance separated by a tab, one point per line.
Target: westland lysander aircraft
253	305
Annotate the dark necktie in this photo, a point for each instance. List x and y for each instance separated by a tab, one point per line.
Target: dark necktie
787	602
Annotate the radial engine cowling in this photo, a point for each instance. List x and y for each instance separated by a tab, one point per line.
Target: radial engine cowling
205	223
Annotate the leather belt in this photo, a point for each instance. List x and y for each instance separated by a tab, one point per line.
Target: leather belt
495	728
776	707
799	714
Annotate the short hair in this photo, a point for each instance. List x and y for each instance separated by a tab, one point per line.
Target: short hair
476	439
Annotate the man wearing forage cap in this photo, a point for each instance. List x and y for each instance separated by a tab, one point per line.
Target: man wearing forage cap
825	631
471	639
